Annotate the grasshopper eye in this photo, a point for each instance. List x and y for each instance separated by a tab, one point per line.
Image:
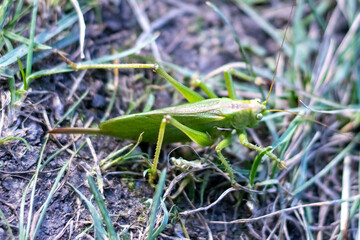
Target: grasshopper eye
259	116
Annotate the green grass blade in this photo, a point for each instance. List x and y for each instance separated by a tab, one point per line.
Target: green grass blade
203	187
112	99
19	6
355	208
18	14
237	39
21	39
31	38
60	44
72	108
98	223
256	163
23	76
53	189
64	69
125	53
318	17
3	218
57	123
180	69
286	136
113	155
8	44
156	203
24	231
83	232
164	222
66	22
2	42
329	166
12	89
47	72
39	55
123	158
101	204
9	138
267	27
303	169
149	103
4	11
5	73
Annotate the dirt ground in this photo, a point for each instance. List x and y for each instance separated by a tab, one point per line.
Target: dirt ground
194	38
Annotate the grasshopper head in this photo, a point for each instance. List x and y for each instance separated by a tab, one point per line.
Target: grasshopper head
258	110
249	116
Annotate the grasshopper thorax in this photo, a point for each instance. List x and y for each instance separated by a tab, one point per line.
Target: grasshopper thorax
243	113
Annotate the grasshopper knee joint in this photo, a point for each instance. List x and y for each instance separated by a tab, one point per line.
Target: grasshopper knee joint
166	119
156	67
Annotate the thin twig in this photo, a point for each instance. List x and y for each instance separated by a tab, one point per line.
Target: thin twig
316	204
211	205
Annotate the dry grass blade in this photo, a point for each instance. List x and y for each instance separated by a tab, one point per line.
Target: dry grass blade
315	204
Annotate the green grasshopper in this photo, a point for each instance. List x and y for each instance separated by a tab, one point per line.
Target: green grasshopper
201	120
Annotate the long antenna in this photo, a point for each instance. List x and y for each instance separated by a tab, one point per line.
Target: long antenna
300	115
281	47
315	121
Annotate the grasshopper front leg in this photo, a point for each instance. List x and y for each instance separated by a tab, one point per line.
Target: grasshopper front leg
210	93
244	141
